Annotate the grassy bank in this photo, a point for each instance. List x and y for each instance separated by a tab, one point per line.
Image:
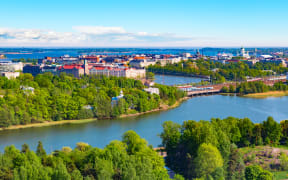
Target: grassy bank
281	175
48	123
267	94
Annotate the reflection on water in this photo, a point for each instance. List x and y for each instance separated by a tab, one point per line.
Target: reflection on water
148	126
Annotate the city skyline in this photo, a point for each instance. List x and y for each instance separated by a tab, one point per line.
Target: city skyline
143	24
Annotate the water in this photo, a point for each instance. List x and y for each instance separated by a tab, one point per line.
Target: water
38	53
172	80
148	126
56	52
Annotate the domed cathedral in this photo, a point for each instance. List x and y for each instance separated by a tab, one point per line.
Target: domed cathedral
243	53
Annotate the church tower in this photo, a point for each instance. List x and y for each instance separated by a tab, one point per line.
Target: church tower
86	68
242	51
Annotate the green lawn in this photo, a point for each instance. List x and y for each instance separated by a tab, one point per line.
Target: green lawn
282	146
281	175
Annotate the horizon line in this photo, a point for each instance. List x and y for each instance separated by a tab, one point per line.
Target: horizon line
137	47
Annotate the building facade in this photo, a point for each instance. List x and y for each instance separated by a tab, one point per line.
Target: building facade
8	66
76	70
118	72
32	69
10	75
142	63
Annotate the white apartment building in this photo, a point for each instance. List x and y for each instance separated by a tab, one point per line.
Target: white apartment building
8	66
142	63
10	75
118	72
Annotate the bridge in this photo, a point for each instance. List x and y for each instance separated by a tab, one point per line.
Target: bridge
216	88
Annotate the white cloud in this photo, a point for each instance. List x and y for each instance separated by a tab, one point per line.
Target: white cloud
85	36
142	33
99	30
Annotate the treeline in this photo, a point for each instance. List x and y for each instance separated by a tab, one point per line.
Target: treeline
254	87
130	158
169	94
218	71
208	149
64	97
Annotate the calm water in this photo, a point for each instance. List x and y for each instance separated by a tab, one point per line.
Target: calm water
100	133
43	52
172	80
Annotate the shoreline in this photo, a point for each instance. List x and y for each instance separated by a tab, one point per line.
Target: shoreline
80	121
47	123
259	95
266	94
161	108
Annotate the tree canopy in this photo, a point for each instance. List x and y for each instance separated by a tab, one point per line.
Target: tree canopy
64	97
130	158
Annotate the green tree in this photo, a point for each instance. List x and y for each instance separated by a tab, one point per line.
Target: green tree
236	166
178	177
40	150
25	148
207	160
4	118
224	89
218	173
104	169
284	161
60	172
231	89
246	129
81	146
252	172
265	175
271	130
134	142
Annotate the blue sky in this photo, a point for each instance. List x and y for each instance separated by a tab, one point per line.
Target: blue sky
149	23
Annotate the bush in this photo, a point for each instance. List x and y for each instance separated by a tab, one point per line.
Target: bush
284	161
224	89
265	175
250	158
231	89
85	114
252	172
257	173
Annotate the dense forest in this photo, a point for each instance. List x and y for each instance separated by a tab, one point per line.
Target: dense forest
29	99
217	71
128	159
209	149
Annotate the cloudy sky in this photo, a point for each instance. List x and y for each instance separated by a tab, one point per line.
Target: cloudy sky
149	23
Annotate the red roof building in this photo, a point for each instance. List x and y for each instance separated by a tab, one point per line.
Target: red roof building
76	69
91	58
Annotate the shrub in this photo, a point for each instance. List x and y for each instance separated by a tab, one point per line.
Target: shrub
284	161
